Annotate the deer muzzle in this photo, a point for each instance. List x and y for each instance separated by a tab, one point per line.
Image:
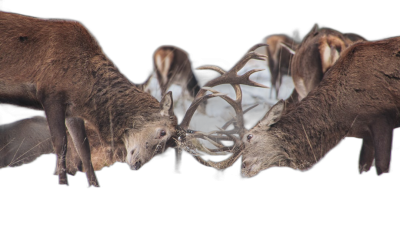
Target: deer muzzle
136	166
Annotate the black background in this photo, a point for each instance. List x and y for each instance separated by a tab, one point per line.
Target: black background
130	32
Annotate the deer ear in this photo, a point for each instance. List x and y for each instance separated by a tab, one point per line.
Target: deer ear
274	114
315	28
330	48
167	105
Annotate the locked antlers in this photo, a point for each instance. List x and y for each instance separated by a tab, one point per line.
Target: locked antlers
215	137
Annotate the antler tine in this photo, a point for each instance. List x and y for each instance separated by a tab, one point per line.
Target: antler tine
215	68
200	97
251	54
226	163
199	134
226	125
249	82
223	164
257	46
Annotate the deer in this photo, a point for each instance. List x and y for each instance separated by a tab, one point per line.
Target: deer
317	52
25	140
58	66
173	70
279	58
358	97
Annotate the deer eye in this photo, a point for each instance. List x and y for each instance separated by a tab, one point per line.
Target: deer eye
249	137
163	133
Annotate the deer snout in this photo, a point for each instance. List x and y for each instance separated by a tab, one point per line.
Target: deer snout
137	165
249	168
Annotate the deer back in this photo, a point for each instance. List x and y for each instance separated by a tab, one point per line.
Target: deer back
318	51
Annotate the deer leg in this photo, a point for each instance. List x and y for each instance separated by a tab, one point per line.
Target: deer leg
55	113
76	128
382	134
367	154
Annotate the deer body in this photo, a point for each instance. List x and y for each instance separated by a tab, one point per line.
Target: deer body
359	97
318	51
23	141
57	66
172	71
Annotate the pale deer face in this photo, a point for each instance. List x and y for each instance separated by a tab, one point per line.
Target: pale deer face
152	137
262	149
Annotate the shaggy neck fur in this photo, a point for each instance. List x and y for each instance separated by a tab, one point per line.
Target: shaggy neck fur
317	124
123	106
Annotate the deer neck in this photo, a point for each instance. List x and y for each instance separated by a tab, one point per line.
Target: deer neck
316	126
115	103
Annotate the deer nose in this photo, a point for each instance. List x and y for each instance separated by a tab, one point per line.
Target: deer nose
243	165
137	165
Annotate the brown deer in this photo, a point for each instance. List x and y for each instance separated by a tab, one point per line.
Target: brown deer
359	97
318	51
279	58
172	66
57	66
23	141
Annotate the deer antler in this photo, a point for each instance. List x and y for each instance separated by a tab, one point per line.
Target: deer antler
229	77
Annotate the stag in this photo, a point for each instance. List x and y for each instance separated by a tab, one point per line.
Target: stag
27	139
358	97
318	51
58	66
279	58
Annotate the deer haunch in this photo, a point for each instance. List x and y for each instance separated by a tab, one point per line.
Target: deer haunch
317	52
57	66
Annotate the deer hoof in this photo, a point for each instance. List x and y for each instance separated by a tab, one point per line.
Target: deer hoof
63	180
379	170
363	168
94	184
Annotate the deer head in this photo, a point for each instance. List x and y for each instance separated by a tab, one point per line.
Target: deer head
149	138
261	149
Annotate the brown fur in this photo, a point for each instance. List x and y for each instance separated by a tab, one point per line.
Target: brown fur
57	66
172	65
359	97
279	58
318	51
